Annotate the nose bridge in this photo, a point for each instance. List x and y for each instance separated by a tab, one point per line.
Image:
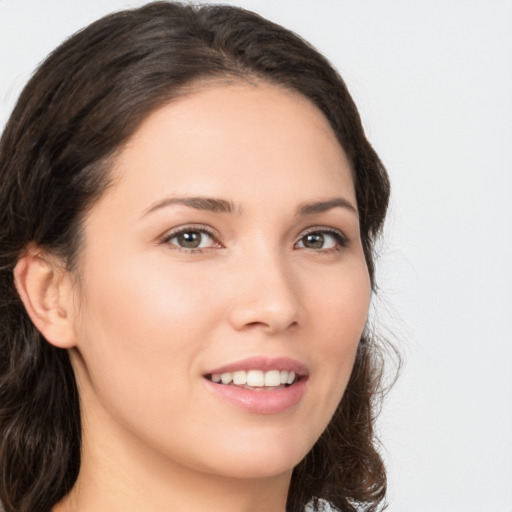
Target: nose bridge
266	293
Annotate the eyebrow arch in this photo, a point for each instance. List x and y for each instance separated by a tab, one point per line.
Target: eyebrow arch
323	206
209	204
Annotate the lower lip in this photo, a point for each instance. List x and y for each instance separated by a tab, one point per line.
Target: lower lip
261	402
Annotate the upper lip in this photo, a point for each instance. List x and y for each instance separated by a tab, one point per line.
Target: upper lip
264	364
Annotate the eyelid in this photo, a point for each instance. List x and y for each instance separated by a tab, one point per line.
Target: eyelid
169	235
341	238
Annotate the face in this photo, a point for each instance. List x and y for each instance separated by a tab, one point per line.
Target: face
227	248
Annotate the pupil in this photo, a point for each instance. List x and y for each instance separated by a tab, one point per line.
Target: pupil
190	240
315	240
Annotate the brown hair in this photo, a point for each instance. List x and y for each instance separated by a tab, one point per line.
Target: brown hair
83	102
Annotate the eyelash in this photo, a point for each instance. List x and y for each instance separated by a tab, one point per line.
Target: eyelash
339	237
190	229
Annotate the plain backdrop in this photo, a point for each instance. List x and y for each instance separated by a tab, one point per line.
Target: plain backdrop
433	82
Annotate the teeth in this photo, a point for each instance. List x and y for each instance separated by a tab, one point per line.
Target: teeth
255	378
239	378
226	378
273	378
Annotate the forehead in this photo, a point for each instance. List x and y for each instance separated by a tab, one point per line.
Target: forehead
241	135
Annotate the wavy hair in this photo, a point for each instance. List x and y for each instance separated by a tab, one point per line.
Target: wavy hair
75	113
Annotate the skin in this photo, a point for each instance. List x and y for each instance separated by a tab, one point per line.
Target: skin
149	318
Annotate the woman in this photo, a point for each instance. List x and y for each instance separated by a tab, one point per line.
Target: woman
188	210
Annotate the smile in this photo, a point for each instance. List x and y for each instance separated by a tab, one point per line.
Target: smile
255	379
260	385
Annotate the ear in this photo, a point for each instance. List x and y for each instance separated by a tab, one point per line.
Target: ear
45	288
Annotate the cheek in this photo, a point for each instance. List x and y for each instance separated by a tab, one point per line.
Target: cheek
340	303
140	332
147	305
341	309
141	339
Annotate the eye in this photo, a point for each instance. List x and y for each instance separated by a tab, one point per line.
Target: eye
322	240
191	239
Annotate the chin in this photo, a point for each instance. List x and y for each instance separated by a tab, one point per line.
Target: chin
261	459
255	470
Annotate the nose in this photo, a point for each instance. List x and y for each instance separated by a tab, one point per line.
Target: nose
266	295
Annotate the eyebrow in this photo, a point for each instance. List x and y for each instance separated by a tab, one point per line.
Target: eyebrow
209	204
215	205
323	206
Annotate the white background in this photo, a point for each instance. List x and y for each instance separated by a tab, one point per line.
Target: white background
433	81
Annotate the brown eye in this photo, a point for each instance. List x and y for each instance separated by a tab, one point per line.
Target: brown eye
191	239
321	240
314	241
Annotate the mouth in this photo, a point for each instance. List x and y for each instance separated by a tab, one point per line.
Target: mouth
256	380
260	385
259	373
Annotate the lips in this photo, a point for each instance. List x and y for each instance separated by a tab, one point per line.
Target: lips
260	385
263	364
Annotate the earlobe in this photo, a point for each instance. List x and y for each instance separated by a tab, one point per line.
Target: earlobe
45	291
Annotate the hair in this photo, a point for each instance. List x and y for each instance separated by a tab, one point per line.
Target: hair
74	115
